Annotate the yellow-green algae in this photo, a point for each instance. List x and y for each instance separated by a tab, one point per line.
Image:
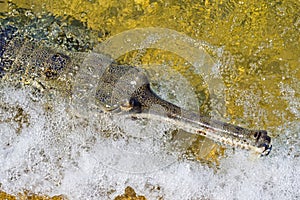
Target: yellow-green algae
28	196
262	38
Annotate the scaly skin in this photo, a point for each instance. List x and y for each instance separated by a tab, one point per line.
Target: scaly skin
120	89
127	90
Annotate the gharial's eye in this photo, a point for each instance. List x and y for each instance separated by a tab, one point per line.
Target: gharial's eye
126	105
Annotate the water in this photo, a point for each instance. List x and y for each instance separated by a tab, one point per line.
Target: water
50	148
59	153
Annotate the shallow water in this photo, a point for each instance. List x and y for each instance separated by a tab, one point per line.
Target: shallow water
58	153
48	147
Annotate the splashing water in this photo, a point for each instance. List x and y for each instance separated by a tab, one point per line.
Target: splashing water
47	148
59	153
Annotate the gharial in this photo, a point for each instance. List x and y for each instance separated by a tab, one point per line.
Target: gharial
122	89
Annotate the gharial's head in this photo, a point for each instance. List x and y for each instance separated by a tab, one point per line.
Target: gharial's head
126	88
118	83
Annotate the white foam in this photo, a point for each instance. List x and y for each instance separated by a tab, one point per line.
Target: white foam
61	153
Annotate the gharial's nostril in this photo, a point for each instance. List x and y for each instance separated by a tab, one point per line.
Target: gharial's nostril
265	137
268	139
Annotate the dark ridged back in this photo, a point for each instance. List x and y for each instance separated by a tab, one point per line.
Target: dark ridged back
21	56
6	35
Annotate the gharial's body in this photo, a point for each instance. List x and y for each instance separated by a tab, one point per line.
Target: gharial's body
121	89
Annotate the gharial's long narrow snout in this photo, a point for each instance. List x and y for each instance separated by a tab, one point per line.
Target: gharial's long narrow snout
127	89
144	103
